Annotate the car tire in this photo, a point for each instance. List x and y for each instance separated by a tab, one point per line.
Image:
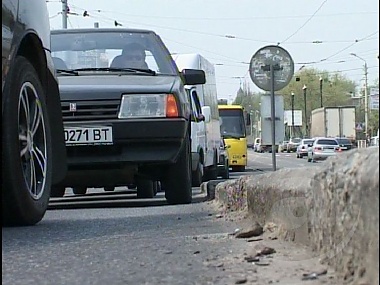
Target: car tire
26	189
156	187
57	191
178	177
80	190
238	168
145	188
197	175
226	172
211	172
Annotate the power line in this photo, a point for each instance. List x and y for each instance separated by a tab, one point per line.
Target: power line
232	18
340	51
304	24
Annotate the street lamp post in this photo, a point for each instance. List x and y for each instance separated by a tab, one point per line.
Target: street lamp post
304	88
292	129
320	89
365	93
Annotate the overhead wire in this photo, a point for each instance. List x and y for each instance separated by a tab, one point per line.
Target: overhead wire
304	24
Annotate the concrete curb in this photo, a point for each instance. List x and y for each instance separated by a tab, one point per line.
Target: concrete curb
332	208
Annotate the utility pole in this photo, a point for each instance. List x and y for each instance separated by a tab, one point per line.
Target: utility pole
365	94
292	129
304	88
366	97
64	14
320	89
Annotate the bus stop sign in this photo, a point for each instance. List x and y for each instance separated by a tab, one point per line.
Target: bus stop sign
279	59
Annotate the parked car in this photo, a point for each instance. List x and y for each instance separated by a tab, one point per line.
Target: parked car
126	112
303	148
322	149
33	148
344	143
283	146
224	165
293	144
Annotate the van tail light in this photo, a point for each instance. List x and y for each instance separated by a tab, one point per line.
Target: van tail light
171	106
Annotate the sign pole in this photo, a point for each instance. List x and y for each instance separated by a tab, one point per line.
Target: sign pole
273	116
265	62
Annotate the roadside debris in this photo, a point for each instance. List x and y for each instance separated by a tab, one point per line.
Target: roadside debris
313	275
254	231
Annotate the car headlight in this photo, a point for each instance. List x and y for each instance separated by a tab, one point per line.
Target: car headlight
148	105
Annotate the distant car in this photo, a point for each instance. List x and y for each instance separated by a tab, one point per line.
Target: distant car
344	143
293	144
283	146
303	147
322	149
224	165
374	142
33	146
256	144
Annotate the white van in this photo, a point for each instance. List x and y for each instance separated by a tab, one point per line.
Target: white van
205	129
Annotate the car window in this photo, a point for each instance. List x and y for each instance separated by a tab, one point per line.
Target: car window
327	142
343	141
308	141
296	140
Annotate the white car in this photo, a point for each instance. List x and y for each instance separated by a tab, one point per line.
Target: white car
302	149
322	149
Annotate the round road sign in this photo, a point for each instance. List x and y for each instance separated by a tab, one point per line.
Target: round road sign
279	59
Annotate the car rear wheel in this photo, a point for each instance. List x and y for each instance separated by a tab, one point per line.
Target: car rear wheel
145	188
79	190
226	171
197	175
27	148
178	177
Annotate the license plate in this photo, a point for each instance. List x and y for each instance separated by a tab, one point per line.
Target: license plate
88	135
236	156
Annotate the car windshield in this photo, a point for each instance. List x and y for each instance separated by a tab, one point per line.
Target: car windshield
96	51
327	142
296	140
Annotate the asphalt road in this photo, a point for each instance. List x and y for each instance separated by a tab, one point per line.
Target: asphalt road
144	242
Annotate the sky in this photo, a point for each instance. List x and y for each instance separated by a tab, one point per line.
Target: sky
319	34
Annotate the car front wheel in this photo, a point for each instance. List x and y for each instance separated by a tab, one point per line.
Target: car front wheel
27	149
178	177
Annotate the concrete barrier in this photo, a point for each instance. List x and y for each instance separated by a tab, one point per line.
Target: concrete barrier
333	208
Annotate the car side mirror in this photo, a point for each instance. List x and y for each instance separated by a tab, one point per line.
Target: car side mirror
193	76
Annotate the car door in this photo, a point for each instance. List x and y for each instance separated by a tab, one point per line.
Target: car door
198	131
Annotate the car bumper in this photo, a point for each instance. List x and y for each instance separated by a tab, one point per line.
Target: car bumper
322	156
134	142
302	152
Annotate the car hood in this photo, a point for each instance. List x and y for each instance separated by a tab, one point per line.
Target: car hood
112	86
